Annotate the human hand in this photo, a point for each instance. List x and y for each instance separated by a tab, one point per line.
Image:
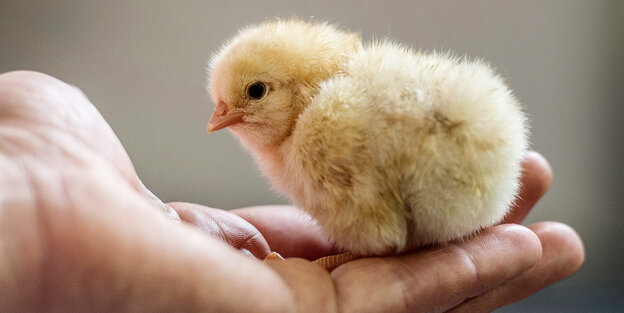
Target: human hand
79	232
501	265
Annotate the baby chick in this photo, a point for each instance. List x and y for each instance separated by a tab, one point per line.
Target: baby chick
387	148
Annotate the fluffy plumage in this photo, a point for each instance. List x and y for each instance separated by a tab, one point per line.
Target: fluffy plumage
387	148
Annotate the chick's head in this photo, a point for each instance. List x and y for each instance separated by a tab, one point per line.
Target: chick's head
266	75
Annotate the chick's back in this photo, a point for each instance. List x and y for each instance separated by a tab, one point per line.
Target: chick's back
403	149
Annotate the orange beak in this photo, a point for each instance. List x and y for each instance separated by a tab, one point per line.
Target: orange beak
222	117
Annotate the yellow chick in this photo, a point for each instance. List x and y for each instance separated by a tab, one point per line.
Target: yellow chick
387	148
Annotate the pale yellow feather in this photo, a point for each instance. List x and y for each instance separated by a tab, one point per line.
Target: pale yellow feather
387	148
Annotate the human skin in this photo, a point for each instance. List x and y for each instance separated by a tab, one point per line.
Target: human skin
79	232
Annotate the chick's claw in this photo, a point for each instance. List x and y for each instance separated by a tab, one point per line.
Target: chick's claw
274	256
331	262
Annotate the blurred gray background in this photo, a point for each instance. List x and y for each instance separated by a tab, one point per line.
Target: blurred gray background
142	64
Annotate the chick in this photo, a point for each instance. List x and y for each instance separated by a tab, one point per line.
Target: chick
387	148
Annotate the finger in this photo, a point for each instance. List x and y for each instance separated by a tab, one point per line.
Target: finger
437	279
563	254
289	231
225	226
309	283
536	178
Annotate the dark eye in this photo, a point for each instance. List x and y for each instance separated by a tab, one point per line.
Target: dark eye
256	90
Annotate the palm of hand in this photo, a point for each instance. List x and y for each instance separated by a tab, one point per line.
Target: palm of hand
73	202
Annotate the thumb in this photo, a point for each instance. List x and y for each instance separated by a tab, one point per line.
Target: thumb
223	225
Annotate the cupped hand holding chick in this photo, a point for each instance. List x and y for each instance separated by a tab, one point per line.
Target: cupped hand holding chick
75	216
387	148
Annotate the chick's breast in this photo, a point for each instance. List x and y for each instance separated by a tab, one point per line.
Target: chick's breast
405	149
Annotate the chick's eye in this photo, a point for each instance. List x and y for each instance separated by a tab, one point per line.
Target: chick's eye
256	90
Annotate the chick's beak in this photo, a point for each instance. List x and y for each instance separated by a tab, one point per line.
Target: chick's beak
222	117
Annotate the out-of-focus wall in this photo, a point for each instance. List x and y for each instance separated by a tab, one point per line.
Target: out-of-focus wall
142	64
